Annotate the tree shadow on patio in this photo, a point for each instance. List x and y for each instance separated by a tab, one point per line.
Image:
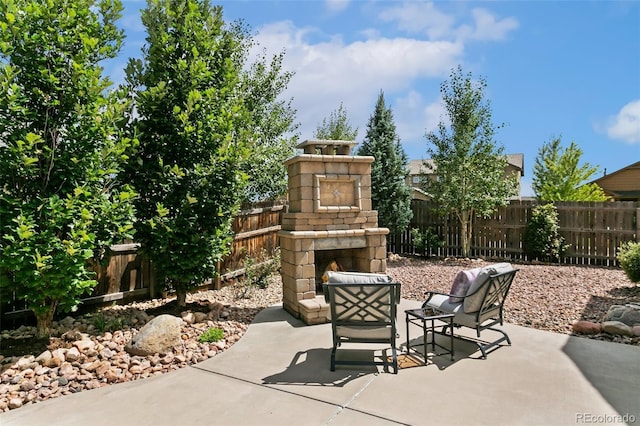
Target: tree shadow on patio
612	368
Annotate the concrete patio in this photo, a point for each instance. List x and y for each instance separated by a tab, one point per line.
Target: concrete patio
278	373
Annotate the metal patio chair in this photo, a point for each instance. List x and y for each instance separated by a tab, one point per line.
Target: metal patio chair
482	307
363	310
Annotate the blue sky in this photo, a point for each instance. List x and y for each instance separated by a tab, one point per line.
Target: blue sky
553	68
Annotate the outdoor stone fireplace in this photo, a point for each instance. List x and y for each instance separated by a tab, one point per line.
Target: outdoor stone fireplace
329	220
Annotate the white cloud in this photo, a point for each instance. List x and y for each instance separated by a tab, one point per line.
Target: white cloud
336	5
414	117
488	27
625	125
417	17
426	18
331	71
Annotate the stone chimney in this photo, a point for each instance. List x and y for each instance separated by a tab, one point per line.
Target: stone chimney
330	223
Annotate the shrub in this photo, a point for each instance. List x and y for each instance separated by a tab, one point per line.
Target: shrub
211	335
101	323
427	241
541	238
259	269
629	258
257	272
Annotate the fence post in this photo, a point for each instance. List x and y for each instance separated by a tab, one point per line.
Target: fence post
638	224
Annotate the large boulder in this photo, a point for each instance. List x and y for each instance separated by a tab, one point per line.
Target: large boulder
159	335
628	314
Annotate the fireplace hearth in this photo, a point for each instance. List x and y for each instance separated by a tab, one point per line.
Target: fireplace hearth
330	219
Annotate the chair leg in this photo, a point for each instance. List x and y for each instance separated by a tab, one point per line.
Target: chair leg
484	348
395	360
333	359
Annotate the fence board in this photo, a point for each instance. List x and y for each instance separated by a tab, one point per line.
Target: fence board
594	231
127	275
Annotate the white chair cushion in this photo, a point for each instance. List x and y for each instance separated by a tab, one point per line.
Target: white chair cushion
474	298
356	278
461	284
441	303
364	332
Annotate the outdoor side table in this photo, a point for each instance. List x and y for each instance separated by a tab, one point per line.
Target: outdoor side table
426	318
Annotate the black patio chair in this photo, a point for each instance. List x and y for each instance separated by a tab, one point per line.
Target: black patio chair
363	310
482	307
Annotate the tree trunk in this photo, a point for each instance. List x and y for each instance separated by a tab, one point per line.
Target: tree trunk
466	230
181	295
44	319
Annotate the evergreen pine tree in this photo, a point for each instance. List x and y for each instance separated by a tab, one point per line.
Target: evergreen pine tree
390	194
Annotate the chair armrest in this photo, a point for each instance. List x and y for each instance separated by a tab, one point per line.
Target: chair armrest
430	294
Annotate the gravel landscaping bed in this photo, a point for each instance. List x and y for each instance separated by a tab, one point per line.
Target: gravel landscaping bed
542	296
88	351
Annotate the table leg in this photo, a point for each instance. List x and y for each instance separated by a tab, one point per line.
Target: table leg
408	339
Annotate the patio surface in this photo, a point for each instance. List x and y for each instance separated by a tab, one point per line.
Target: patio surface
278	374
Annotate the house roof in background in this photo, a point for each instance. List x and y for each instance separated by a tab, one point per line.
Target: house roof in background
416	167
600	180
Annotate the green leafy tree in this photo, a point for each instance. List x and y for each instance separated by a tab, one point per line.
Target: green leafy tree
271	124
336	127
390	195
470	167
559	176
542	239
62	147
192	139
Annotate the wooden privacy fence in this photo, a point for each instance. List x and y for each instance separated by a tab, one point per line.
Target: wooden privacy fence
593	231
128	275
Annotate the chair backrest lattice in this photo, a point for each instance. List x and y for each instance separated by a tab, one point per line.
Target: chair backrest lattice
496	290
372	304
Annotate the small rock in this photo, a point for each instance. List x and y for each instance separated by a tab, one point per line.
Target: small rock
72	335
66	368
67	322
26	362
586	327
15	403
112	375
167	359
106	353
42	370
27	385
59	353
103	368
44	357
84	345
199	317
188	317
617	327
73	354
53	362
92	366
